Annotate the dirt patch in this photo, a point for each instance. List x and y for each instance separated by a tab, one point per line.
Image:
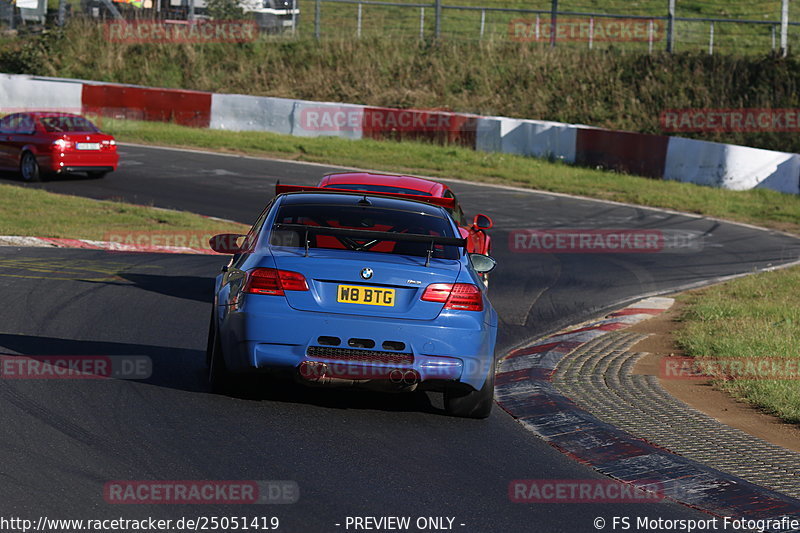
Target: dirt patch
701	394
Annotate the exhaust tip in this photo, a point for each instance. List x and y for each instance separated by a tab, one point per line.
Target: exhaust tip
312	371
410	377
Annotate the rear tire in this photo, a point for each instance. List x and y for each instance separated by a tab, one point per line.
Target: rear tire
218	377
473	403
29	168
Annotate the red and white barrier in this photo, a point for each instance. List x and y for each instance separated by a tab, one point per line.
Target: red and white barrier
533	138
731	167
323	119
239	112
655	156
25	92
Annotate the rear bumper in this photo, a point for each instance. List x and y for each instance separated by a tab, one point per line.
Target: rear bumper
267	334
86	169
80	162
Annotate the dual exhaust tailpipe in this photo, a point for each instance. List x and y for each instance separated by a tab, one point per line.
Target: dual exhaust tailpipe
343	374
404	377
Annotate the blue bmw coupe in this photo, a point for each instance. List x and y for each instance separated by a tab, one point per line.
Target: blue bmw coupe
365	289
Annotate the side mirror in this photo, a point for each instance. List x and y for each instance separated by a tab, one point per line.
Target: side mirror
482	263
482	222
226	243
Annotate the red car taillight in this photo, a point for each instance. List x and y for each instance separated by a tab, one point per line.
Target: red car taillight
273	281
461	296
61	145
108	145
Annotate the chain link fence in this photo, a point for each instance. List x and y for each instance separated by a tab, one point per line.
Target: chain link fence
715	26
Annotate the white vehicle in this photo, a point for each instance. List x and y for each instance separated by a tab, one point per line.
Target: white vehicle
270	15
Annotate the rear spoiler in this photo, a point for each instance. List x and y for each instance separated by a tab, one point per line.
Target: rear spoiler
447	203
373	235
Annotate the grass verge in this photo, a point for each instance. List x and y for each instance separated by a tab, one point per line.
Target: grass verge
33	212
750	320
760	206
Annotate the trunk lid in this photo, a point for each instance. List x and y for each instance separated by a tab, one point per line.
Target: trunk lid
392	287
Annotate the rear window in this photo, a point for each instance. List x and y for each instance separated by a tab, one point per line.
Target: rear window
368	219
377	188
67	124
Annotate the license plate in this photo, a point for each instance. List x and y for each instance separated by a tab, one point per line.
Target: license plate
87	146
357	294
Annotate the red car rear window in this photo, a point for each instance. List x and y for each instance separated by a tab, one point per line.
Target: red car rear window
67	124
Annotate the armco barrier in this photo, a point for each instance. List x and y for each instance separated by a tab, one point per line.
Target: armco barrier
673	158
534	138
439	126
321	119
633	153
187	108
25	92
238	112
731	167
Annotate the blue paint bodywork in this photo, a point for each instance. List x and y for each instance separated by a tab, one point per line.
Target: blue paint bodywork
262	332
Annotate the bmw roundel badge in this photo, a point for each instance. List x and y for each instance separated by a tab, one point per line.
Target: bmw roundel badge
366	273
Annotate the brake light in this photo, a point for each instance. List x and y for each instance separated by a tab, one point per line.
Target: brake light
61	145
274	282
109	144
460	296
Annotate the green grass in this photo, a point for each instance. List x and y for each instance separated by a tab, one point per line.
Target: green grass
757	317
339	21
763	207
613	88
33	212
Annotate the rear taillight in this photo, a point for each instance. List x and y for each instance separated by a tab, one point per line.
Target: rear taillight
461	296
61	145
109	145
273	281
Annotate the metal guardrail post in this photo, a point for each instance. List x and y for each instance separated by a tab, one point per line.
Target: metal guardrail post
421	23
358	26
317	14
671	26
711	40
784	27
438	16
553	23
62	12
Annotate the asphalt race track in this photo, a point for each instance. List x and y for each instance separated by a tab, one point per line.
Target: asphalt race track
351	453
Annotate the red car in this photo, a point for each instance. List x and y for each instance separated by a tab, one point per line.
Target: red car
478	241
39	143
